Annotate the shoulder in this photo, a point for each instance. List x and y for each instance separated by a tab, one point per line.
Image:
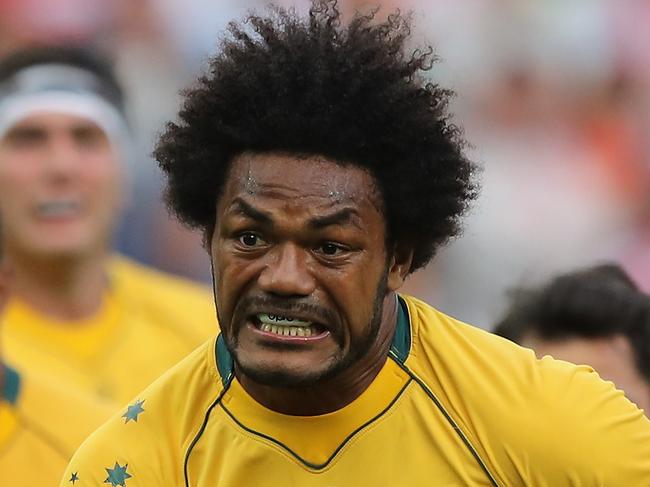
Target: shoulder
528	418
443	345
42	420
59	411
28	456
145	279
576	426
171	301
147	439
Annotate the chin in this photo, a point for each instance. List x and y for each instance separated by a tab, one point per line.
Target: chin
63	252
69	247
285	376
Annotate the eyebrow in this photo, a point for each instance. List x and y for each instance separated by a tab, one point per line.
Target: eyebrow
246	209
340	217
20	129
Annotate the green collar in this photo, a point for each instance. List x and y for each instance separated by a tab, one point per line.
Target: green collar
225	363
11	387
401	345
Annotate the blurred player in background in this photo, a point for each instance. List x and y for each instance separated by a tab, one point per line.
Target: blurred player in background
79	313
323	168
595	316
41	422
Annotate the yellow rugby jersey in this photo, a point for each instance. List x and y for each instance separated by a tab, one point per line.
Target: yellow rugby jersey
41	425
452	406
148	321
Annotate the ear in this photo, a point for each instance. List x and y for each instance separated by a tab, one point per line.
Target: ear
399	266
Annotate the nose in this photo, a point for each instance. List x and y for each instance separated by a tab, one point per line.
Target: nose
287	272
63	158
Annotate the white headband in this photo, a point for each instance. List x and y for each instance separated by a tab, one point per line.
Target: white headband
61	88
19	106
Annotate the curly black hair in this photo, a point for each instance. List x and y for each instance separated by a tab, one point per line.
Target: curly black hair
597	302
312	85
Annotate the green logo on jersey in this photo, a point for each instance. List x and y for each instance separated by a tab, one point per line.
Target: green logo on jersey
133	411
117	475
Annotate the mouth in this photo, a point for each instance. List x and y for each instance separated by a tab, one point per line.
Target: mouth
57	209
288	327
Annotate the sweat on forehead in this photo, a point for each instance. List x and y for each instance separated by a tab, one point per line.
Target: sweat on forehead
303	175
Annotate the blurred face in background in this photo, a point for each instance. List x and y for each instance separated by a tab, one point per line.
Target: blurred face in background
612	357
60	186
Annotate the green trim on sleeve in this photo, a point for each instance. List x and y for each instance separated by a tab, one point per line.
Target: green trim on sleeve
11	387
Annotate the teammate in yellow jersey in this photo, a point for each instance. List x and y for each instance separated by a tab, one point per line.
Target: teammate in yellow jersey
80	314
595	316
41	423
324	170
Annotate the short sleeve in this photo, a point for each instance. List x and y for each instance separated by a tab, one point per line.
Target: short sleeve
576	430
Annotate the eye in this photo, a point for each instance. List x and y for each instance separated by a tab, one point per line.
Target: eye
90	136
330	249
249	239
26	137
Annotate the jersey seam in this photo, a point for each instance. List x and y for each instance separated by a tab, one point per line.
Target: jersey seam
199	433
12	438
322	466
49	439
461	434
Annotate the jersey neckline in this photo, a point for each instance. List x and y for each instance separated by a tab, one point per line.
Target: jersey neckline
314	441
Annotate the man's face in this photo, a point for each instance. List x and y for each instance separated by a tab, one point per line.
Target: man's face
60	186
300	266
612	358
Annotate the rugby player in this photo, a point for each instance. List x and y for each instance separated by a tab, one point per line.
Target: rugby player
41	423
324	170
595	316
79	313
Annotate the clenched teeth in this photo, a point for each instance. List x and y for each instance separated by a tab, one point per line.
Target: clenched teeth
283	330
57	208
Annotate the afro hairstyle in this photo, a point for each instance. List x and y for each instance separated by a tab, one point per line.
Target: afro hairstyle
315	86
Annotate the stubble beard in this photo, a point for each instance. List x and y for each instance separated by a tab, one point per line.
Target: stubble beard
338	363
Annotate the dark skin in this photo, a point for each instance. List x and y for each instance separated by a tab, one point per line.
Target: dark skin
304	238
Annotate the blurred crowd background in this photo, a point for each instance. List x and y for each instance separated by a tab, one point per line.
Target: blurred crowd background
553	96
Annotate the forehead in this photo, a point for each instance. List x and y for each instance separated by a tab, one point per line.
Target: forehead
300	178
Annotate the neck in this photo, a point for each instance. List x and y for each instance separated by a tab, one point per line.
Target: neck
338	391
64	288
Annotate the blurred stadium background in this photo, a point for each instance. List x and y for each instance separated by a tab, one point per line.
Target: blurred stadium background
554	97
